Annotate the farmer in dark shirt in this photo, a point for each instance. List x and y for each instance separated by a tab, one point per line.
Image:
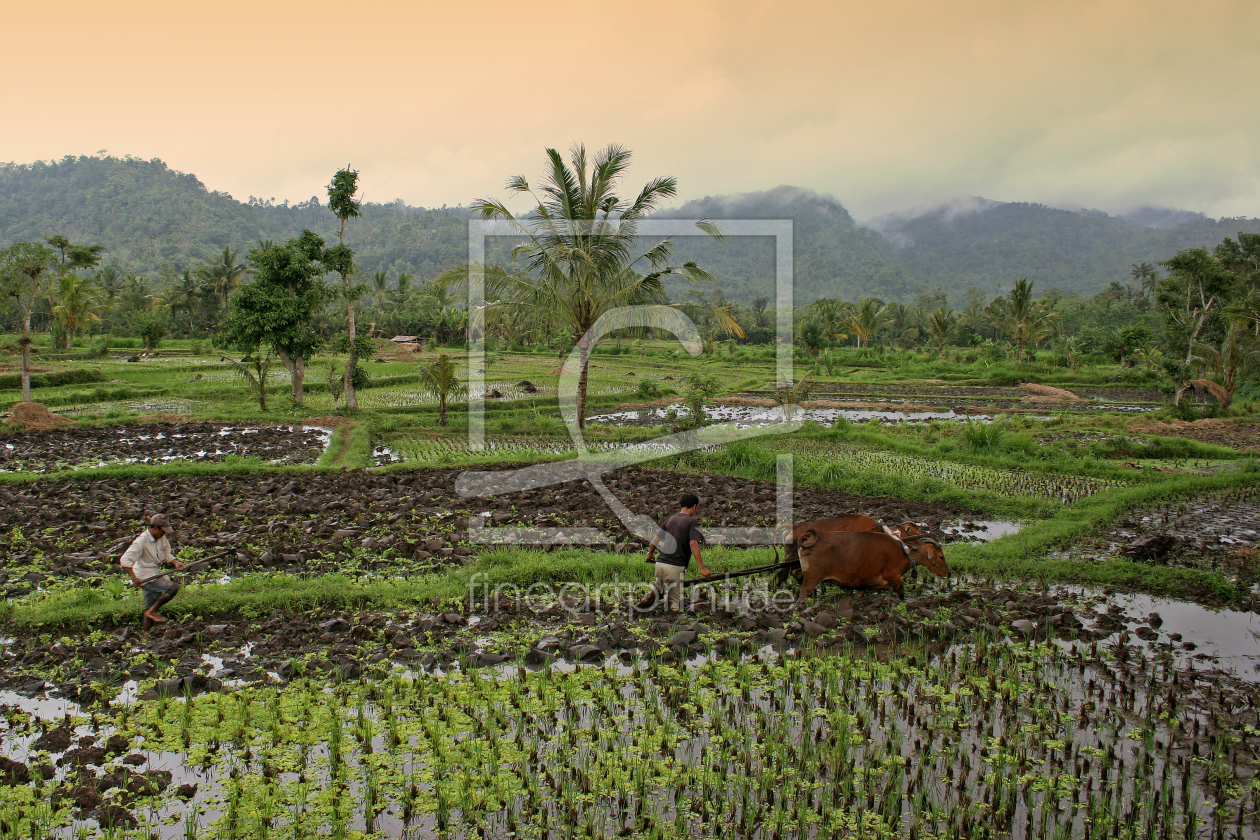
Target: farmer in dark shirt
678	541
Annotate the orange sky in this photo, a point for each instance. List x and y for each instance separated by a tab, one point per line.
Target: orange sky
886	105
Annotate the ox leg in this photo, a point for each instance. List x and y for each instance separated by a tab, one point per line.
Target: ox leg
897	585
808	585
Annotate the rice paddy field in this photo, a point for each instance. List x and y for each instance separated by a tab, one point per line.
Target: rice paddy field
370	650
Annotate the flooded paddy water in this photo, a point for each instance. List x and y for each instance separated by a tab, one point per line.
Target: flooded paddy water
79	447
744	416
969	711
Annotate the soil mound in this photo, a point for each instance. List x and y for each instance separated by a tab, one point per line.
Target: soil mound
36	417
328	421
402	355
1046	393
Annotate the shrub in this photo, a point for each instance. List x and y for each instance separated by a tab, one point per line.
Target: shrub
983	437
648	388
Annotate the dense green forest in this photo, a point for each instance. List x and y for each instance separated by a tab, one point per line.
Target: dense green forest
155	222
1193	314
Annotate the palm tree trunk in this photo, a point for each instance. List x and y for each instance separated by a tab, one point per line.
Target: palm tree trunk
352	401
584	355
26	358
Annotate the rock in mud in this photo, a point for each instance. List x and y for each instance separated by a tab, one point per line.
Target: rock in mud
13	772
580	652
114	816
1146	634
86	797
186	791
1152	548
1023	626
682	638
54	740
83	756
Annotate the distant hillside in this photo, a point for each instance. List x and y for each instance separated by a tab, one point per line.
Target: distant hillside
149	216
992	243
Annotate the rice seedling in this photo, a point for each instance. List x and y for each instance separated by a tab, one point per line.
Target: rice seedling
833	461
991	739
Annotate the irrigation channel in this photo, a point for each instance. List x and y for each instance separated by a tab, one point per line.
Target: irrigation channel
1026	731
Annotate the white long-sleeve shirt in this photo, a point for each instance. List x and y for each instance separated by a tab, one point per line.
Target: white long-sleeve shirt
146	555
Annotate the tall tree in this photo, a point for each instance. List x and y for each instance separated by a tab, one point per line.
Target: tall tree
580	250
74	302
225	274
72	258
1024	319
942	325
183	296
24	271
344	205
440	378
1145	275
109	281
870	319
276	307
1190	296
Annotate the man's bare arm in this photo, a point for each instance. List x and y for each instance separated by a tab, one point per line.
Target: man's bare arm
652	549
695	552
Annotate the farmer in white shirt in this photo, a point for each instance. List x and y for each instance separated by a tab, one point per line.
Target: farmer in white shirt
143	561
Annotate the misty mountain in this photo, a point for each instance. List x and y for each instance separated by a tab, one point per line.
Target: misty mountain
152	219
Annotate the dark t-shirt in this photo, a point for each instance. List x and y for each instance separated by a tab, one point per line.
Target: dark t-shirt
683	529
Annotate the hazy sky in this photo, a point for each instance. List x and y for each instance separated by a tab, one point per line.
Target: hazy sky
886	105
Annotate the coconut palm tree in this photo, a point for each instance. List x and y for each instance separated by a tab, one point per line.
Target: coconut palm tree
181	296
380	288
1024	320
580	252
74	304
832	316
342	202
1146	276
109	281
224	274
441	378
398	295
870	319
942	326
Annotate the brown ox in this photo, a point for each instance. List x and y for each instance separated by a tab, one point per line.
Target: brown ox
864	560
850	522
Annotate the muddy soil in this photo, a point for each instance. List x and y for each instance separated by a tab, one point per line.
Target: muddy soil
360	522
146	443
1245	437
1215	533
494	630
